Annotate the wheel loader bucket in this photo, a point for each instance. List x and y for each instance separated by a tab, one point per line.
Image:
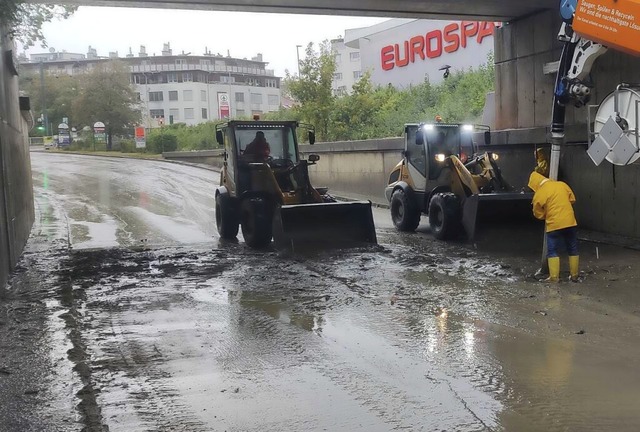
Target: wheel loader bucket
504	207
324	225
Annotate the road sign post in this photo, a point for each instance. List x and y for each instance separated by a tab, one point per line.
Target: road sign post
141	140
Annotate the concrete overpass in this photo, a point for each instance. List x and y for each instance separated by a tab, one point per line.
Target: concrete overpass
524	49
489	10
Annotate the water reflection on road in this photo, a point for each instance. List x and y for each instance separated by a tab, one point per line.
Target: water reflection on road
190	333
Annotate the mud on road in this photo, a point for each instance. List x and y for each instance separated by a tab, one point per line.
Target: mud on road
400	336
413	334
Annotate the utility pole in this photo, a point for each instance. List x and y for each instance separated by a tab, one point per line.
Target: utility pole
43	98
298	57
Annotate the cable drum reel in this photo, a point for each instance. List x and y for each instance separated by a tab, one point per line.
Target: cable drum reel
615	136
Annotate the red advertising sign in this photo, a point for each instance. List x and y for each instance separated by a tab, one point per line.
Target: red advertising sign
224	109
435	43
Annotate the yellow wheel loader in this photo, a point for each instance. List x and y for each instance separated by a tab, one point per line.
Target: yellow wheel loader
443	176
265	190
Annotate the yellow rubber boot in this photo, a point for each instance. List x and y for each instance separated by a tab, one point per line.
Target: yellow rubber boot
554	269
574	261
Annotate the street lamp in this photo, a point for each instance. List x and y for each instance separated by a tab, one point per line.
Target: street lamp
298	57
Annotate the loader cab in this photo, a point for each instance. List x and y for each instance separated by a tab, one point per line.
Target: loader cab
428	146
255	146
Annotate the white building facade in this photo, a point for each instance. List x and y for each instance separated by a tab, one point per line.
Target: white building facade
184	88
405	52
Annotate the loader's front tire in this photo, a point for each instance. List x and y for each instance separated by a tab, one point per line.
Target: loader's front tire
404	212
256	220
444	215
227	219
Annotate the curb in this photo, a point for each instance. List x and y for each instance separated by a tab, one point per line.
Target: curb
124	156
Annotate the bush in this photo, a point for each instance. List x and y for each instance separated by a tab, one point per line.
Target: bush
162	142
129	146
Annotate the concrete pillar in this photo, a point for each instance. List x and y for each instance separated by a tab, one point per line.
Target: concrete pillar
524	92
16	189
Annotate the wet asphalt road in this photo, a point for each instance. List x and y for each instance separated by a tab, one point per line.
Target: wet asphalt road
149	322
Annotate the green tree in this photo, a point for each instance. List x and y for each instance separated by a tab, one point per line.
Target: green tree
106	95
312	89
25	20
60	94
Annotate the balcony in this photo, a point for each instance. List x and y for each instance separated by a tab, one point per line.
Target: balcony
193	67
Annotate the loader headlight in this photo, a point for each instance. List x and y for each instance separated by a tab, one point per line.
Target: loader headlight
440	157
467	128
494	156
427	127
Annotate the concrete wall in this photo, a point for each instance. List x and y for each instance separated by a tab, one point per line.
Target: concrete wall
208	157
355	167
524	93
16	189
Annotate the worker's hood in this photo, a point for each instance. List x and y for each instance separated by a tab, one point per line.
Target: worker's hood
536	180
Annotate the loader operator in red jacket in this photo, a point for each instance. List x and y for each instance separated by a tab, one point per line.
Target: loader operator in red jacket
553	203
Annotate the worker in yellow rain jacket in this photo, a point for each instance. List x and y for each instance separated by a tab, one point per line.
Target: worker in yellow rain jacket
553	203
542	162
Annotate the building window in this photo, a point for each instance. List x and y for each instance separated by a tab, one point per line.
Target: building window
337	76
187	77
354	56
155	96
204	113
273	100
227	79
156	113
138	97
140	79
357	74
181	62
239	97
240	113
205	62
256	98
171	77
338	58
187	95
271	83
203	95
173	95
174	114
342	90
188	113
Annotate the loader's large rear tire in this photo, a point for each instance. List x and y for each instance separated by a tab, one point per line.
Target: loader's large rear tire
227	218
256	219
444	215
404	212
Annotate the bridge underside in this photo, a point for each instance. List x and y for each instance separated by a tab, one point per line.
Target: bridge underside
494	10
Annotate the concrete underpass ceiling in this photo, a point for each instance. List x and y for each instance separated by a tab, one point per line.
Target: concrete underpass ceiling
497	10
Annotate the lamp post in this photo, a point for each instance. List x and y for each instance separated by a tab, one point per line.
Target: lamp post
298	57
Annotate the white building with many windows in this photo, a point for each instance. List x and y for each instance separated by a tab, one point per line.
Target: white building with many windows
184	88
348	67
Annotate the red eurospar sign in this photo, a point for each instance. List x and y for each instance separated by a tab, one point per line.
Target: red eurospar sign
435	43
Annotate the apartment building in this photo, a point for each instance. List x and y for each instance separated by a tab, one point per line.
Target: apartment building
183	88
348	67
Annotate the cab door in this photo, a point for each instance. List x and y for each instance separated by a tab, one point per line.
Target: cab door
416	158
229	161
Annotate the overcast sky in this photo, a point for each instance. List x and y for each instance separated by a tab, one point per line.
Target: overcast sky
243	34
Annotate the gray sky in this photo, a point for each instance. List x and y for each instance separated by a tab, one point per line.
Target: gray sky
243	34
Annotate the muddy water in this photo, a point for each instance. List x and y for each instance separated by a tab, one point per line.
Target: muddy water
412	335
